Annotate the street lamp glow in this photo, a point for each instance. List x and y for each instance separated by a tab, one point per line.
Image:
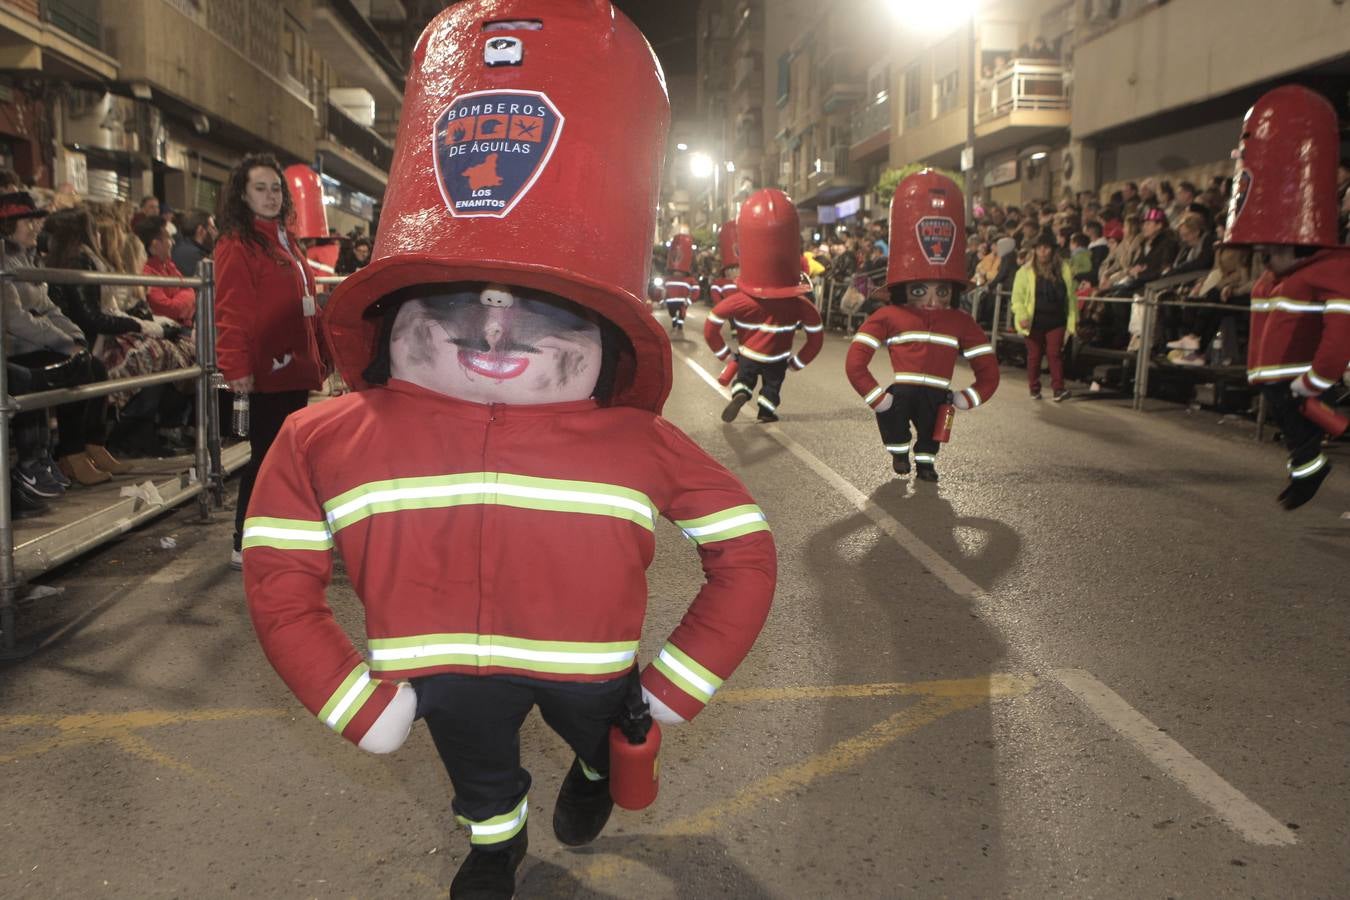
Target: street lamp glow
681	146
932	18
700	165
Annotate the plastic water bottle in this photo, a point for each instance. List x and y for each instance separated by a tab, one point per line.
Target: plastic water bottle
1216	350
239	415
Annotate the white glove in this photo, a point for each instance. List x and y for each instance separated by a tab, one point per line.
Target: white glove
151	328
961	400
660	712
884	405
391	728
1300	387
165	321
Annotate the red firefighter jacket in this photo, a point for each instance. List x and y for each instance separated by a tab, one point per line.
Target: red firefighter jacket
721	289
261	328
681	287
765	328
493	540
923	344
1301	323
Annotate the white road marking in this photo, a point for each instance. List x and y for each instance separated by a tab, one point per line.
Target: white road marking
929	558
1241	814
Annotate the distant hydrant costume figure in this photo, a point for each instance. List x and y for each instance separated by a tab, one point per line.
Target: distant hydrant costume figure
1284	203
728	261
311	219
768	308
492	484
919	329
681	288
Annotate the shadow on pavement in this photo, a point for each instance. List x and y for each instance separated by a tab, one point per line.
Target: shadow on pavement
696	866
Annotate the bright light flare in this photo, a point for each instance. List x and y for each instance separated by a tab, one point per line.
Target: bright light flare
700	165
931	18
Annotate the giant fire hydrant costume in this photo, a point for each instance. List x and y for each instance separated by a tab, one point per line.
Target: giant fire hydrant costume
493	483
311	219
768	308
728	261
1284	203
919	329
681	287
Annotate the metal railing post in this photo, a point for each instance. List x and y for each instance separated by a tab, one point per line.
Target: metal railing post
994	322
205	400
206	358
1145	352
9	585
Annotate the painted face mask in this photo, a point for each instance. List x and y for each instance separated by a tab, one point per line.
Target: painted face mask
928	294
496	344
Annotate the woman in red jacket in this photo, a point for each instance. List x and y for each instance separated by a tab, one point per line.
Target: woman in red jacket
265	342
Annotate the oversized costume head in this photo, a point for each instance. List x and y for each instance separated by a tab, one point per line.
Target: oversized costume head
680	256
515	167
769	240
310	219
1284	184
928	231
728	251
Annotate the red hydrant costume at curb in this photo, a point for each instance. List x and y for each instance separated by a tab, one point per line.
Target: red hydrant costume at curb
768	309
729	257
1284	196
311	218
928	246
499	550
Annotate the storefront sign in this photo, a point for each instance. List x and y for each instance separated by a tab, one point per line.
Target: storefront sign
1003	173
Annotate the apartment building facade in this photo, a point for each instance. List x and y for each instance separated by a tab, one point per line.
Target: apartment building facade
1030	99
125	98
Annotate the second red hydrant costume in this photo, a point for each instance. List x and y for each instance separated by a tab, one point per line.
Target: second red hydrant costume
493	484
922	334
768	309
681	287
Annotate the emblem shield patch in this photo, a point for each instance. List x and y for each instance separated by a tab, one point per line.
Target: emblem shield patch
937	237
490	147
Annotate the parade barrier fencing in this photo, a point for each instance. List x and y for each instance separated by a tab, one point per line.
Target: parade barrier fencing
204	481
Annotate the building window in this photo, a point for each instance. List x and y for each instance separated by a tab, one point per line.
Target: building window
913	95
944	93
784	78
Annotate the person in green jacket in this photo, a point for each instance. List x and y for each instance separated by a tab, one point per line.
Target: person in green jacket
1045	310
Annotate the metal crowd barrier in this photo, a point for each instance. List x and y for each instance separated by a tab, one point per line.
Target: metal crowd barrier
207	479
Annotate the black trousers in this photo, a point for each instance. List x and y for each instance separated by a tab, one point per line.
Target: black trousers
266	414
1302	438
79	423
769	376
475	723
916	404
677	309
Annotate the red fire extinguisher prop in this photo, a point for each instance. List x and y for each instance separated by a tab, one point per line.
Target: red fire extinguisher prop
1324	417
728	373
946	415
634	752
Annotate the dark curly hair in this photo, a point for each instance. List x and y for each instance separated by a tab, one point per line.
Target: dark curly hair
234	217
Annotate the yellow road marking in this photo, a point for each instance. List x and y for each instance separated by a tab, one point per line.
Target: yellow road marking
940	698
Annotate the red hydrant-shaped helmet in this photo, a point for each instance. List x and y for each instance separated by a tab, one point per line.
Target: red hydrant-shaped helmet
680	254
727	249
768	234
928	230
529	153
311	219
1284	184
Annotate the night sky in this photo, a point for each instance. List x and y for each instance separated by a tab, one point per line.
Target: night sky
670	25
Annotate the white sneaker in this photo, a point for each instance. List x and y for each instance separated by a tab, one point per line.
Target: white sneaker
1186	342
236	560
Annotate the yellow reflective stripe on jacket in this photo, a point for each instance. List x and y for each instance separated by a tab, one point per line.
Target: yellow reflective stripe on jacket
498	829
924	337
286	534
874	395
489	488
763	357
348	699
1291	370
491	650
978	350
716	320
765	326
1337	306
1284	304
725	525
686	674
867	339
920	378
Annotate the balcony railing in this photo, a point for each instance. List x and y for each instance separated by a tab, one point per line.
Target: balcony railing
359	139
833	164
77	18
1024	86
871	120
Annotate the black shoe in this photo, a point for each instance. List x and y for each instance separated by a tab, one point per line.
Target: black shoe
1035	395
22	504
1062	395
766	416
489	874
1300	490
36	480
733	407
582	809
926	472
900	463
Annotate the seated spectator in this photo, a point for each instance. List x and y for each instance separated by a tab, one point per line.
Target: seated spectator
177	303
1098	247
1157	251
149	209
1124	238
53	351
1080	259
1185	196
1229	282
196	236
1196	253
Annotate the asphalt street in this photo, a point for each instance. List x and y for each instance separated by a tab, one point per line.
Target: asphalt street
1096	660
